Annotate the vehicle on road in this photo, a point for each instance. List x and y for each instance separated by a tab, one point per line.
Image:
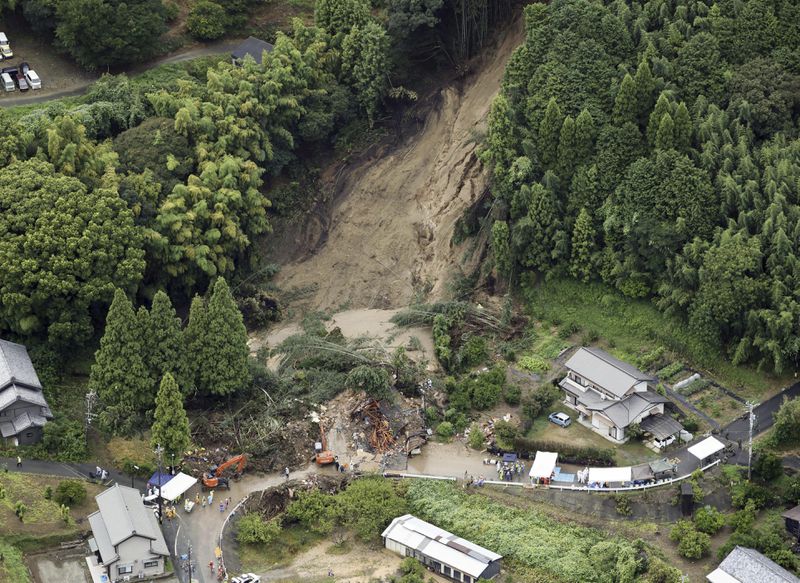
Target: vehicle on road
7	82
213	477
5	47
22	82
560	419
247	578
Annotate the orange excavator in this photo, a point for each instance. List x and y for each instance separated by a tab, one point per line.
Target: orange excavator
323	455
213	477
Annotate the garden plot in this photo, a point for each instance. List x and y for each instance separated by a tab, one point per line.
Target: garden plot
716	404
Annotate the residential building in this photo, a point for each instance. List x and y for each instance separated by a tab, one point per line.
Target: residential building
127	542
23	408
448	555
255	47
610	395
792	520
743	565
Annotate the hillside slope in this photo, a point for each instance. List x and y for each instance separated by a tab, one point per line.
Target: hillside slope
388	232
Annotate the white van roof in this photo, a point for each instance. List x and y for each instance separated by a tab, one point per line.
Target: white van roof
5	77
3	38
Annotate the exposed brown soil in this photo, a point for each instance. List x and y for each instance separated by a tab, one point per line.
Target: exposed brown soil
388	232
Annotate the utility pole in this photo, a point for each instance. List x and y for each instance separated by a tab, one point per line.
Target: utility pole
752	419
158	451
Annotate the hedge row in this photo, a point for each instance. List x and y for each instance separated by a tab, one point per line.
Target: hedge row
566	452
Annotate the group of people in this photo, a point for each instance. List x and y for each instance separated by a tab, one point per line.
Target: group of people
220	570
99	474
201	501
509	471
471	481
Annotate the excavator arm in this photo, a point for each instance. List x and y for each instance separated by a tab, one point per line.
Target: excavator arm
239	461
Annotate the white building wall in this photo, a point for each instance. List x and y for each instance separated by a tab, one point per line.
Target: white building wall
136	552
395	547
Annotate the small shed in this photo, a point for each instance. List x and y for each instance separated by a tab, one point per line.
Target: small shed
792	520
708	447
255	47
744	565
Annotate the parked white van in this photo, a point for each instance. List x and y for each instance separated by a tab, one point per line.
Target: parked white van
5	47
33	79
7	81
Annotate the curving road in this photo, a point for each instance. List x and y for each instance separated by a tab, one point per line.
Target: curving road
80	88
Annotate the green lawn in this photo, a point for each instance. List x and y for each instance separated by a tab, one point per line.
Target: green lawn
630	328
631	453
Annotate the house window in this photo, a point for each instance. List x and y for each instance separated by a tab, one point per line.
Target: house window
456	575
447	571
125	569
29	434
149	564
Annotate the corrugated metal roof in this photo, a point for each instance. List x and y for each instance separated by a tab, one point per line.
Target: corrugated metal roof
440	545
16	365
748	566
660	426
605	371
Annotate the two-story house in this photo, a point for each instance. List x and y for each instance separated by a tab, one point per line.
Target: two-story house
609	394
23	408
127	542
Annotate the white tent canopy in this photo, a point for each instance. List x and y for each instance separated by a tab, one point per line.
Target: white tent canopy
179	484
610	474
705	448
543	464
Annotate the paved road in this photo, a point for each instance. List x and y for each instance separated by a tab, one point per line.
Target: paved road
30	97
69	470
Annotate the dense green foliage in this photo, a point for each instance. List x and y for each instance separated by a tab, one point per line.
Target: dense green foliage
565	552
65	245
70	492
252	529
575	454
170	424
366	507
786	430
654	146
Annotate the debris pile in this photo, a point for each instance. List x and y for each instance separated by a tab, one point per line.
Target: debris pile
379	434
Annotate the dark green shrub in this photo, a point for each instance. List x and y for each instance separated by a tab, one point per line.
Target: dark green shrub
566	452
708	520
445	429
472	353
505	433
70	493
65	439
768	466
207	20
252	529
512	395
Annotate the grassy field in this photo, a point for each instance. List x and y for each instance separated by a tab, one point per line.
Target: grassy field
631	328
279	553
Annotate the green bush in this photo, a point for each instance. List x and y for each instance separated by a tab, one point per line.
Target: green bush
742	520
505	433
512	395
708	520
787	423
695	386
207	20
768	466
445	429
472	353
622	504
691	424
476	437
252	529
70	493
691	543
533	363
669	371
566	452
65	439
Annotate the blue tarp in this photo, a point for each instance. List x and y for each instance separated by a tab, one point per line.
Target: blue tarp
164	479
509	457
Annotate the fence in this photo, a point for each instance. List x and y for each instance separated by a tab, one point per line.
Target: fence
657	484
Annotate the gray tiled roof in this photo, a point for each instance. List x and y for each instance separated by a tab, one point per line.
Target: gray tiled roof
125	515
605	371
13	393
21	422
748	565
16	365
101	537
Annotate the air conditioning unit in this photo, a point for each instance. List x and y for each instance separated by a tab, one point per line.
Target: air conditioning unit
126	578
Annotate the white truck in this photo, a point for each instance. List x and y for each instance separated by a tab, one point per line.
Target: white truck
7	82
5	47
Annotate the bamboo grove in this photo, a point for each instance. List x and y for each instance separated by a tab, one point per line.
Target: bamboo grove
654	146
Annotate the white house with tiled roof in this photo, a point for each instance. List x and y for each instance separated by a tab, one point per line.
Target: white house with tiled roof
609	395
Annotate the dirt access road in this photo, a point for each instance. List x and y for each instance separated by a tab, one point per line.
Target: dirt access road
389	231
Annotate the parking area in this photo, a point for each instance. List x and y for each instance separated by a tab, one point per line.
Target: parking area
57	72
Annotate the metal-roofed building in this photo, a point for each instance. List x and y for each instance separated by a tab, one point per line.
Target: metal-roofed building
744	565
255	47
23	408
448	555
127	540
610	394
